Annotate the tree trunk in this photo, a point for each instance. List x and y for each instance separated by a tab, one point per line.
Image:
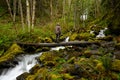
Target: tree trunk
14	11
51	9
9	8
64	10
71	43
28	14
75	15
33	13
21	14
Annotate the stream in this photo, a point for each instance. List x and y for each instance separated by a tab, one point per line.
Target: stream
26	62
24	65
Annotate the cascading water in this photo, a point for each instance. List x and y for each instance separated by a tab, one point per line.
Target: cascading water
24	65
60	47
101	33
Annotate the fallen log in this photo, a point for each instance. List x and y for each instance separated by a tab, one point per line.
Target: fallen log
70	43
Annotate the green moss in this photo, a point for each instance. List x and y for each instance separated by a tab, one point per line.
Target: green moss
49	59
48	40
114	76
83	78
68	76
71	60
85	36
30	77
11	52
116	65
55	77
73	36
99	66
39	39
34	69
87	53
23	76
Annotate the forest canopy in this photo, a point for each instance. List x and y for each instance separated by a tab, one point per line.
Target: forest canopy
75	14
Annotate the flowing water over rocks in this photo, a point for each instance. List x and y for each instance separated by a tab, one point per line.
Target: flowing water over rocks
25	64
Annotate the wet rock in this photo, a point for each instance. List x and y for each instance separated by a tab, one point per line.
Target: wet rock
117	55
7	64
107	38
8	59
117	46
15	61
108	44
23	76
94	47
34	69
117	39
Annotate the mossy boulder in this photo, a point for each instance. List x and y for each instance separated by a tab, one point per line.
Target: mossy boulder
117	46
68	76
39	39
23	76
99	66
48	40
48	58
73	36
115	76
55	76
116	65
41	74
85	36
10	54
87	53
31	77
85	66
34	69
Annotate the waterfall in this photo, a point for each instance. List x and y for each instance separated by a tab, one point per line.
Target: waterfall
24	65
101	33
60	47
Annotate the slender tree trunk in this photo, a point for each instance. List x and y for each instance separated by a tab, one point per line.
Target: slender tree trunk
69	3
14	10
75	15
64	10
31	8
9	8
21	14
28	14
33	13
51	9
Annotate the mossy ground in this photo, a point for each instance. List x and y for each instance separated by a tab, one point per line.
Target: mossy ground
74	64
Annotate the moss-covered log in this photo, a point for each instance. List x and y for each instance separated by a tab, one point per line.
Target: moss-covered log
71	43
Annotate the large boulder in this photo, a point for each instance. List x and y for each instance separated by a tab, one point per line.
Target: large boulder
8	59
